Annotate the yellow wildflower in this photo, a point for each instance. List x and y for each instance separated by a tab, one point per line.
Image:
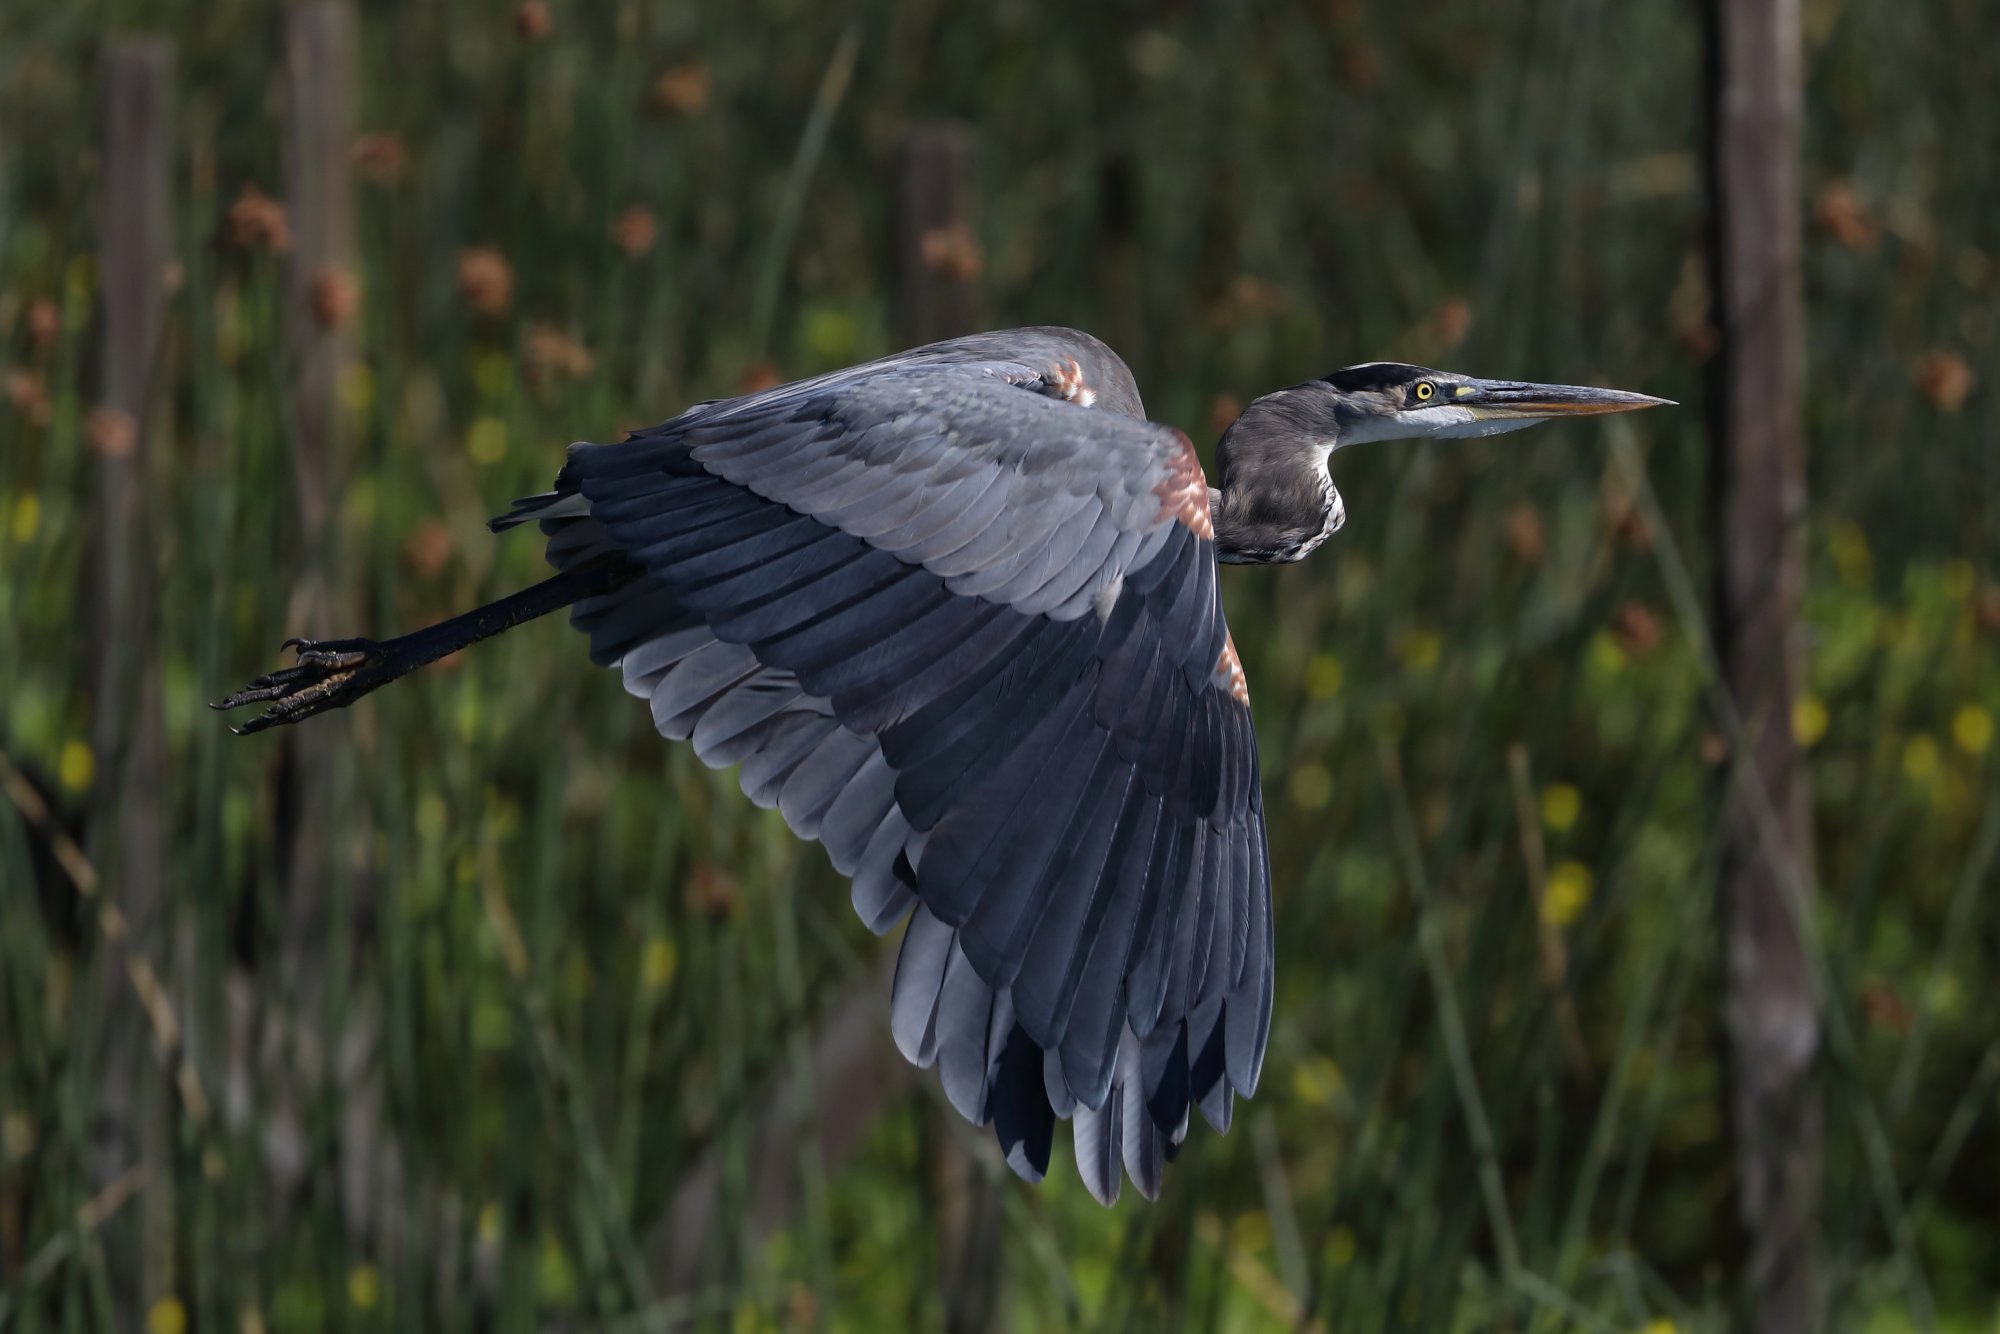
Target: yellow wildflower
364	1287
1312	786
1561	804
1809	720
1323	676
77	767
659	963
486	440
1920	758
1567	892
1972	729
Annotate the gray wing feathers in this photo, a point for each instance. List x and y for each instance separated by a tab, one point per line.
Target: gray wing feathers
858	812
643	667
547	507
941	1013
1010	538
1000	491
686	688
1012	500
964	506
731	728
1079	568
1145	1145
881	898
1060	559
1249	1016
913	997
968	1011
810	791
795	737
1061	1100
1041	545
1100	1135
791	748
1121	1134
955	527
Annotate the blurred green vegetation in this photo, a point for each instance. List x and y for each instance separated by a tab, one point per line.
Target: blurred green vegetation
1491	1102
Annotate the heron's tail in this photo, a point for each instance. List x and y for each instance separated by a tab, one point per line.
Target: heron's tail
561	503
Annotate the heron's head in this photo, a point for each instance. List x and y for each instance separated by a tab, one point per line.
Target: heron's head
1276	499
1387	400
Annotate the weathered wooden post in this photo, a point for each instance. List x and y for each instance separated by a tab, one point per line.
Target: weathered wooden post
127	833
938	263
1757	488
937	251
326	893
319	71
319	133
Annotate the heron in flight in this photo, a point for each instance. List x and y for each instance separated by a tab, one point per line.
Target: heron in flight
954	613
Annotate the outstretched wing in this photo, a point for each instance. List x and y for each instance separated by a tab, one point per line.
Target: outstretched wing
966	634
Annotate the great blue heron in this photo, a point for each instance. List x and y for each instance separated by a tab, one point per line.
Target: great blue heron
954	613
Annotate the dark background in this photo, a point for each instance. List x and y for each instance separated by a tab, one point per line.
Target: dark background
473	1008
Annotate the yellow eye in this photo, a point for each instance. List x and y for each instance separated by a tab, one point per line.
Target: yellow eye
1425	391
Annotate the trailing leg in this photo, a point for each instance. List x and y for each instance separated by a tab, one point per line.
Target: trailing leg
333	673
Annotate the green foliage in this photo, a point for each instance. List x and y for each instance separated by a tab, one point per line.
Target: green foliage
581	961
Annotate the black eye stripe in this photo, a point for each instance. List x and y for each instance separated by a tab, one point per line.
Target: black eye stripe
1376	376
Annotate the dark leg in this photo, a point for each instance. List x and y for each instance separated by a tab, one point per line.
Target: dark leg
333	673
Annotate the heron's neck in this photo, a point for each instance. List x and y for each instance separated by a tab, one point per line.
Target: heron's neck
1277	502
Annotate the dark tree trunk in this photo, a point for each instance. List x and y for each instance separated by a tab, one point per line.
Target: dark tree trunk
1757	482
128	837
937	251
938	263
316	1034
319	69
854	1077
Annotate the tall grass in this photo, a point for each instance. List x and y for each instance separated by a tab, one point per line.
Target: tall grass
563	967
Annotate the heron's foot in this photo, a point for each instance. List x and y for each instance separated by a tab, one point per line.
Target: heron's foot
329	674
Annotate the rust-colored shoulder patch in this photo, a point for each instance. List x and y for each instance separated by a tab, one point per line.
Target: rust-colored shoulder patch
1183	492
1229	671
1066	378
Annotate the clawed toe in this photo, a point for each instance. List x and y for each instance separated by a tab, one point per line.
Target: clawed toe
329	674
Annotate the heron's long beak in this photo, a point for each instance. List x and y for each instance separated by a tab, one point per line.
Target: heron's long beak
1504	399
